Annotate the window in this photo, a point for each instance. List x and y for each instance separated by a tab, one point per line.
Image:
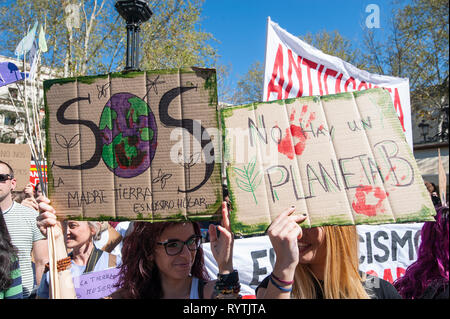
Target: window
9	119
14	92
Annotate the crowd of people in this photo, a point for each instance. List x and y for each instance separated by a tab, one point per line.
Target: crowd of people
166	259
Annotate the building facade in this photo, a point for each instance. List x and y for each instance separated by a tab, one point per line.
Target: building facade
12	111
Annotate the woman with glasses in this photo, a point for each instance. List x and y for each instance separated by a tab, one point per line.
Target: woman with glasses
165	260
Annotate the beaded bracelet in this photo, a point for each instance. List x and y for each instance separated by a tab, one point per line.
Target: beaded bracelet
278	286
227	284
61	265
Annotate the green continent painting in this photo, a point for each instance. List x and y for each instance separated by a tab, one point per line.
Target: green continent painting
129	135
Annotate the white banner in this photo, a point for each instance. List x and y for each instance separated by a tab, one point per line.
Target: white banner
293	68
253	257
385	251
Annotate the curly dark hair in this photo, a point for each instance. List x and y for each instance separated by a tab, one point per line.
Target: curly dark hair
7	254
139	276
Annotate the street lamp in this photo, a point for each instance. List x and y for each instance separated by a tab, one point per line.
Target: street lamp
424	127
134	12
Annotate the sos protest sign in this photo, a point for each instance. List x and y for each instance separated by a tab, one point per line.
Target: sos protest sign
137	145
293	68
341	159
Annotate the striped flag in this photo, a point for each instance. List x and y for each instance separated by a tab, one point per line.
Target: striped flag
27	42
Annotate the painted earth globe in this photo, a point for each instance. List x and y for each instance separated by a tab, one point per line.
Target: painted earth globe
129	134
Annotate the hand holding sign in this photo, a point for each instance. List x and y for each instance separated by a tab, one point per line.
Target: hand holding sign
222	246
47	217
283	233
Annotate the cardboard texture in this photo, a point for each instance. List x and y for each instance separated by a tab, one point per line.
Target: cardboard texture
18	156
134	146
342	159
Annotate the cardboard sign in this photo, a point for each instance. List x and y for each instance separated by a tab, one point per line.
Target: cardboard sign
137	146
96	285
18	157
341	159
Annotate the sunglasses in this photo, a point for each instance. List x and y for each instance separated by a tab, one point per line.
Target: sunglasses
175	246
5	177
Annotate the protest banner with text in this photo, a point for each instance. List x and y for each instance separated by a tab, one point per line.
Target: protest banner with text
341	159
293	68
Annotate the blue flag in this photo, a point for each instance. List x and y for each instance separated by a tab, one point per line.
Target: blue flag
10	73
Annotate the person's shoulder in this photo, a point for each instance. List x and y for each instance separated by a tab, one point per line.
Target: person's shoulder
380	288
436	290
25	210
107	260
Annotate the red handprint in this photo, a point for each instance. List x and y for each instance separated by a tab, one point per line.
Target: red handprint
296	134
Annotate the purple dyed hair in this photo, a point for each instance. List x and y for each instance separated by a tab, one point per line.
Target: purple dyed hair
432	264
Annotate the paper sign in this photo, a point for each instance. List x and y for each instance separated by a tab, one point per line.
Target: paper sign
18	157
96	285
341	159
137	146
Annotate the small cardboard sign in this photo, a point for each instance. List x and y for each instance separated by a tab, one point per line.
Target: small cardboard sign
18	156
137	146
96	285
341	159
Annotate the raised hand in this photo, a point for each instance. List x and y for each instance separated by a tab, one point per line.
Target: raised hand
222	244
284	233
47	217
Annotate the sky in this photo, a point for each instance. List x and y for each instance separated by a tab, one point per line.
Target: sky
240	25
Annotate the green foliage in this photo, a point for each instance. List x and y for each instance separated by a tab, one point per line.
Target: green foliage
174	38
250	86
171	38
416	48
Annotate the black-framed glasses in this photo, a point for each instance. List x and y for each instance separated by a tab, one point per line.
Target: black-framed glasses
5	177
175	246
